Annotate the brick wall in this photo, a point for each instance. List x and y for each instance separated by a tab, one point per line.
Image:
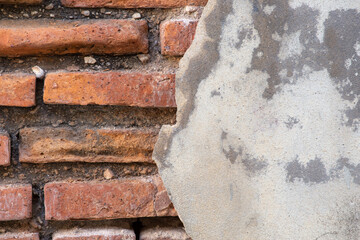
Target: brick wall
76	142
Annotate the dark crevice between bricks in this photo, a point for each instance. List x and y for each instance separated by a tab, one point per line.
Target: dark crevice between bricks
137	226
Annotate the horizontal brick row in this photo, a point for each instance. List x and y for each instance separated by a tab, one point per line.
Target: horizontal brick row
57	37
84	88
116	37
164	234
4	149
27	2
98	234
126	198
19	236
17	90
116	3
111	88
132	3
176	36
15	202
45	145
105	234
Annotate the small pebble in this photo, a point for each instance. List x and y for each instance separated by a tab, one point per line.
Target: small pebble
39	72
34	12
144	58
136	16
191	9
52	15
49	7
108	174
89	60
86	13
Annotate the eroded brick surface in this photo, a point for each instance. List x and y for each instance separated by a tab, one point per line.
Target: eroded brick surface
126	198
133	3
177	36
19	236
110	88
15	202
4	149
45	145
55	37
17	90
95	234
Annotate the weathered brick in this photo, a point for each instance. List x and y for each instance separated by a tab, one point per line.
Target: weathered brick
176	36
4	149
126	198
19	236
132	3
110	88
95	234
44	145
164	234
17	90
15	202
57	37
26	2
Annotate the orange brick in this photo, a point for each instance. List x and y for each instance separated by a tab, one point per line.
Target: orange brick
27	2
58	37
176	36
164	234
45	145
126	198
19	236
132	3
4	149
15	202
110	88
17	90
95	234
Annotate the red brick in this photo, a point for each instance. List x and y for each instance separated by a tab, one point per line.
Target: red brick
15	202
45	145
95	234
17	90
126	198
27	2
19	236
132	3
58	37
164	234
110	88
176	36
4	149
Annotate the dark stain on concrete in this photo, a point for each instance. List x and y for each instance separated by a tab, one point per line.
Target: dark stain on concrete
313	172
291	122
231	154
253	165
353	169
215	93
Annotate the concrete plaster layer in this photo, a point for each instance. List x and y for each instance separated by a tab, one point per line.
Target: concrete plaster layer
267	141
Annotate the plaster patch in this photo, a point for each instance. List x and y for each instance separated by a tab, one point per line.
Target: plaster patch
267	128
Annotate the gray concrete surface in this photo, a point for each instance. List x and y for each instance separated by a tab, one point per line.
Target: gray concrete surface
267	141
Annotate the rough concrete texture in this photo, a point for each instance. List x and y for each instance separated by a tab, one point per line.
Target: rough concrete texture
267	134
